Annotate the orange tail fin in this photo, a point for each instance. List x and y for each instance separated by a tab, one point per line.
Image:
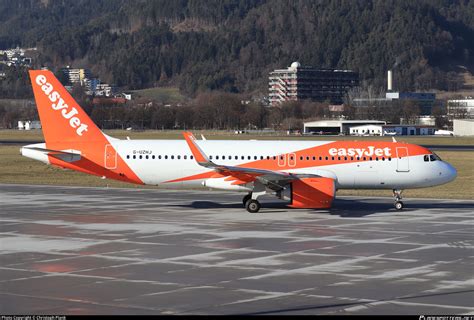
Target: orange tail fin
66	126
61	117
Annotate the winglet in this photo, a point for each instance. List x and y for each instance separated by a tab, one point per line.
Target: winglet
198	154
393	139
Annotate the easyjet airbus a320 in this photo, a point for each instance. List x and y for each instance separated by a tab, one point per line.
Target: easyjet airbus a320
306	173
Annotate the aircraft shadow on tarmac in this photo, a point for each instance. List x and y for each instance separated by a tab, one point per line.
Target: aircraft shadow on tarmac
345	208
351	208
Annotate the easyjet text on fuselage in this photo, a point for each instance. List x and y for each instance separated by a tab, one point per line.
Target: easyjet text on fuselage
361	152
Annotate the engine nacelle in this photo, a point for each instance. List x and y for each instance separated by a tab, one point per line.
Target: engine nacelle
222	184
315	193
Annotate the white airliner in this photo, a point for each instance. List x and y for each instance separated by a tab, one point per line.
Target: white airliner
305	173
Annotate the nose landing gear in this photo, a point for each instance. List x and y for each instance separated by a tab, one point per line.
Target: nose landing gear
398	197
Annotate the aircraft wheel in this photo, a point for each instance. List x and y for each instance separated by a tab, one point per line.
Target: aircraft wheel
252	206
246	198
399	205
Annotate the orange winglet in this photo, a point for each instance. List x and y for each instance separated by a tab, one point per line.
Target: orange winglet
195	150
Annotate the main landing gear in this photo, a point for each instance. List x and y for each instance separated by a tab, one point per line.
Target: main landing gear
398	197
252	205
247	198
250	200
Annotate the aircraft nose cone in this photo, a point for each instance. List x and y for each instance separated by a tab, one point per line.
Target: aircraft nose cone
452	172
447	173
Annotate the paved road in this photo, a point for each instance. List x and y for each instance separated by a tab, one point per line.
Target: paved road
70	250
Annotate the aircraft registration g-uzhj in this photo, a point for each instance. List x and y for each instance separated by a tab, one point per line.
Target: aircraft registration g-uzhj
305	173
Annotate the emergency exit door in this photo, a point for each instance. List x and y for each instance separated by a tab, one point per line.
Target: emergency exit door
403	164
110	157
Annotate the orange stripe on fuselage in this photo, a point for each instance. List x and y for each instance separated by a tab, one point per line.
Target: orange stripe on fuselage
321	151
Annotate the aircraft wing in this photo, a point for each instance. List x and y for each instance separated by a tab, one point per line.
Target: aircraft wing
275	180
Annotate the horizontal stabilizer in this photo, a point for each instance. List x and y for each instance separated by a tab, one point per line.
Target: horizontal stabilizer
64	155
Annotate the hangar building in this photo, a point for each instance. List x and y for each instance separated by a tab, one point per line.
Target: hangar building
336	126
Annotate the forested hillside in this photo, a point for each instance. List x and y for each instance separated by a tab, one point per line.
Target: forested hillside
231	45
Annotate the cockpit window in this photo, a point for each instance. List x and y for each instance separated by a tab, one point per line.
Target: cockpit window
431	157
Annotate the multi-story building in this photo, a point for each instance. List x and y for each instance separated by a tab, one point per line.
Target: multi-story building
91	85
424	100
461	109
302	82
77	75
105	90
